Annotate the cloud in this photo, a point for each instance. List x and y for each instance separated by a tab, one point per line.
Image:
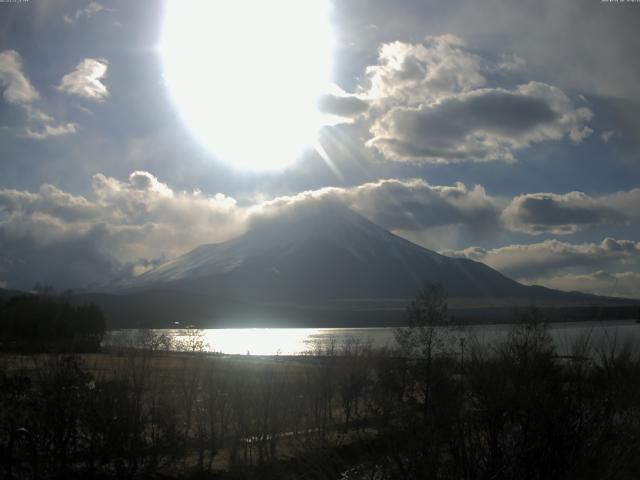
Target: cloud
85	80
416	205
483	125
412	74
42	126
606	136
567	266
35	115
89	11
623	284
555	49
49	201
537	213
122	228
552	256
624	202
430	102
346	106
407	205
16	87
127	226
51	131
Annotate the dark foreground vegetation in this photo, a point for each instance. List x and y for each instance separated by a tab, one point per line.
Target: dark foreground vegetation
47	322
436	408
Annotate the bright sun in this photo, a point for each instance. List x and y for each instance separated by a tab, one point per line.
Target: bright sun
246	74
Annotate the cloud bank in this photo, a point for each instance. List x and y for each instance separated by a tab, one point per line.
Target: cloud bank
125	227
537	213
552	256
431	103
624	284
120	230
567	266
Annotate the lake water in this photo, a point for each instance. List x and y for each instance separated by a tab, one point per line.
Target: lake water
299	341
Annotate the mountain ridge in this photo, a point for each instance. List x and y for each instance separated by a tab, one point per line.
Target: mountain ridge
325	252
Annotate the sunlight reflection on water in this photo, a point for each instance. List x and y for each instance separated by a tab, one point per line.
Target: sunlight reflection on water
297	341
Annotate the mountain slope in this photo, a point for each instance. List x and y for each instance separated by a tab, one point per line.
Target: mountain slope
325	252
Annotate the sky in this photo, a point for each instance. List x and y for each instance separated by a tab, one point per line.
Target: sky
505	132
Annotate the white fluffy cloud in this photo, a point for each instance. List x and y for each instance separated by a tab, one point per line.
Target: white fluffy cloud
85	80
430	102
16	87
413	74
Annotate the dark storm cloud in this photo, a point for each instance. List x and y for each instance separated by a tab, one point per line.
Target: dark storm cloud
560	214
480	126
483	125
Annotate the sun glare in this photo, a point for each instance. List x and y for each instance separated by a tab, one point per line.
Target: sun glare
246	75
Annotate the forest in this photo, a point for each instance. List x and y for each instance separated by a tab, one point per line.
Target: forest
37	322
433	408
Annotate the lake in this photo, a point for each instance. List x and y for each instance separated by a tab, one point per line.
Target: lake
299	341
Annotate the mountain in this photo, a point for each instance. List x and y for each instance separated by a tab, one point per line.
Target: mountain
324	255
322	264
